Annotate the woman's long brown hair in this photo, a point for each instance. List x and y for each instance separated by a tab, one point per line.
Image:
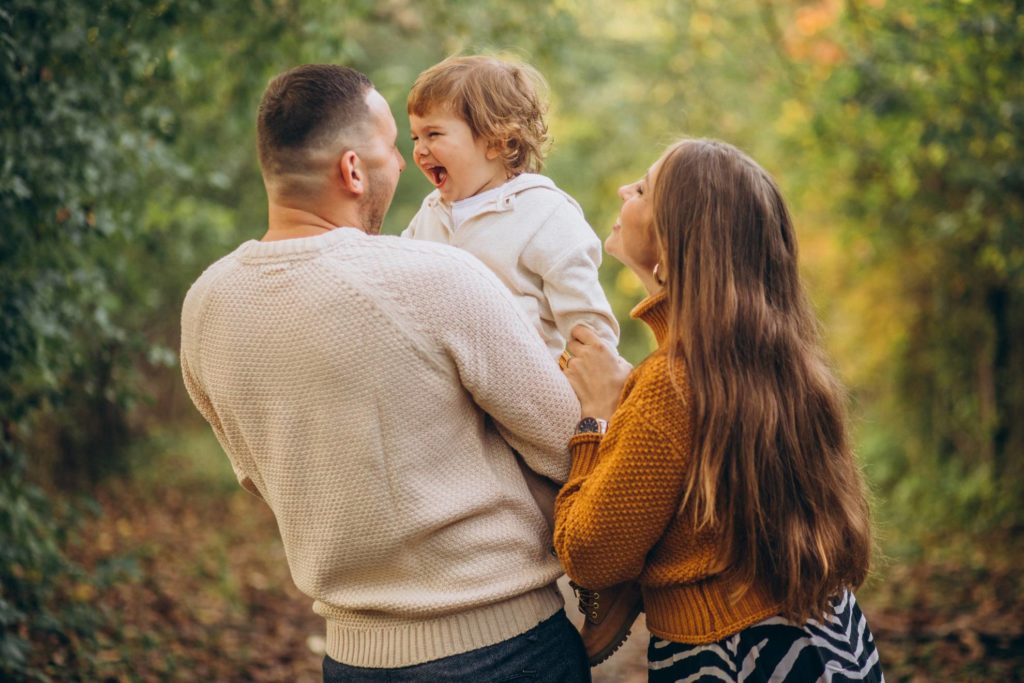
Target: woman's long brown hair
773	466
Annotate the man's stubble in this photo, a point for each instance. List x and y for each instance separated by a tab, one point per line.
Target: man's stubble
376	202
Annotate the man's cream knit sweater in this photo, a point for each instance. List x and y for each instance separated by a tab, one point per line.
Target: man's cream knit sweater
358	384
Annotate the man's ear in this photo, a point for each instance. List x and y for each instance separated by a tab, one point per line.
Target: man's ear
352	173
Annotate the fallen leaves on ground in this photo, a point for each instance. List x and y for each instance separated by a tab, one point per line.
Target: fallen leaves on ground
206	596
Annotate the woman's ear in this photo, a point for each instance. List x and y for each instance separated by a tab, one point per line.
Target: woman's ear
352	174
660	271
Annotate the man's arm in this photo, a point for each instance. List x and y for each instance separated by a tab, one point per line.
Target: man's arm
503	363
189	346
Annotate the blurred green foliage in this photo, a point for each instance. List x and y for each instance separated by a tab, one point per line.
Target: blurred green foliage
127	164
918	127
78	136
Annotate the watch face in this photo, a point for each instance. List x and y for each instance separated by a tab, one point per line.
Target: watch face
588	425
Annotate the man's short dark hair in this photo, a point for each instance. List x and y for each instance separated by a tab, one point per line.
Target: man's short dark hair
305	108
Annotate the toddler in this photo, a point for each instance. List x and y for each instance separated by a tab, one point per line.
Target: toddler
478	127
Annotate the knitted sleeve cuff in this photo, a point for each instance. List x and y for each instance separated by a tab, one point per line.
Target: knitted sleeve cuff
584	448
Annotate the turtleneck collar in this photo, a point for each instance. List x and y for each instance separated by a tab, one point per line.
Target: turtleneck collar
654	312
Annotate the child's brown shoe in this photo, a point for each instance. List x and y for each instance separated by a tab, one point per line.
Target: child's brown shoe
609	614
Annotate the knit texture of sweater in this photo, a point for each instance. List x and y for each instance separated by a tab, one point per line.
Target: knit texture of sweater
371	390
617	520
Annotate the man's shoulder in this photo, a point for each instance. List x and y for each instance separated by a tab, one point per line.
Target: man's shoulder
210	285
208	279
425	287
400	252
423	267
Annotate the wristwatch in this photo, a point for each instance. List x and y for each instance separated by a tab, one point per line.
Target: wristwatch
592	425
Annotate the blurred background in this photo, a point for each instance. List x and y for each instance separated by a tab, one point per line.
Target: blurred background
128	164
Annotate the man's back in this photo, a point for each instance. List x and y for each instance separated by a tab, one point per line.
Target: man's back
357	384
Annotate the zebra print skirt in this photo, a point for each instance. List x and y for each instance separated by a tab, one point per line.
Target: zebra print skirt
840	649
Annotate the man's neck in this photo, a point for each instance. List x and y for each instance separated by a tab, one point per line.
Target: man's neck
291	222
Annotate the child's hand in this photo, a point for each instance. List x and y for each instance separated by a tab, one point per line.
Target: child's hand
596	373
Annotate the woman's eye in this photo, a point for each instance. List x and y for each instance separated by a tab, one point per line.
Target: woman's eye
639	188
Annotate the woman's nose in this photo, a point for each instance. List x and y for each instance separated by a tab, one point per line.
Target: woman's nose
624	192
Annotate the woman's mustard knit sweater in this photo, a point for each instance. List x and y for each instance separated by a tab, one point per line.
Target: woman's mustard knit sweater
616	519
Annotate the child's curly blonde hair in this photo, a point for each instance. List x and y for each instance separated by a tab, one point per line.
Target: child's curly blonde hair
500	101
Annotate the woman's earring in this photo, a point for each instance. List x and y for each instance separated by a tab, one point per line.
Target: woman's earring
657	276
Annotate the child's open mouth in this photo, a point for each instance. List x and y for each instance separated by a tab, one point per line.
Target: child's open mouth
439	174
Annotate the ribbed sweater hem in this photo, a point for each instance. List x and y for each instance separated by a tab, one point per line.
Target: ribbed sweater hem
418	642
702	613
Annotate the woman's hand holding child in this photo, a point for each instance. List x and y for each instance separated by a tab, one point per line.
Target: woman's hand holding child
596	372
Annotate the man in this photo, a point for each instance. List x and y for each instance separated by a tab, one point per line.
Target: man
358	384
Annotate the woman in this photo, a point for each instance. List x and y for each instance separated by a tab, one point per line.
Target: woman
724	484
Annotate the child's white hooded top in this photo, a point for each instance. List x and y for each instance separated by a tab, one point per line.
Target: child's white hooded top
534	237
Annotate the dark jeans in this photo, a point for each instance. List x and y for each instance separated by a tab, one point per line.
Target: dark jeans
550	652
